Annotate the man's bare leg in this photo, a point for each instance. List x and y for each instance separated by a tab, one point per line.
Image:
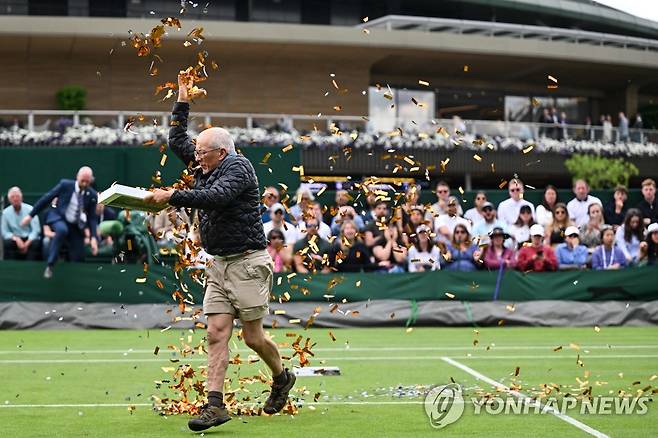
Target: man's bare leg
220	327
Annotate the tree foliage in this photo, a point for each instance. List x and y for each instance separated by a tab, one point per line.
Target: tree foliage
601	172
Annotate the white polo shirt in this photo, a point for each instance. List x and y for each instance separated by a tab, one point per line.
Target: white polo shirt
578	209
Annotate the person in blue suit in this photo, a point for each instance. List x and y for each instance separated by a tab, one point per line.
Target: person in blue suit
75	211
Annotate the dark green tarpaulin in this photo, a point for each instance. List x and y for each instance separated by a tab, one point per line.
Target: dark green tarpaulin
22	281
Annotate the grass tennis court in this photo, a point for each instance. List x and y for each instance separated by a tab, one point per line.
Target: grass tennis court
82	382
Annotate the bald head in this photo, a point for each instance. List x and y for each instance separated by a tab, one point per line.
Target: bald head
85	177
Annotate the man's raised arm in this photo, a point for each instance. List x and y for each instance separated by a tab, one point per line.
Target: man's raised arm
179	142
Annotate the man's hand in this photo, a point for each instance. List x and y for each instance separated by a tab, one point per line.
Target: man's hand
26	220
159	196
94	246
184	84
19	243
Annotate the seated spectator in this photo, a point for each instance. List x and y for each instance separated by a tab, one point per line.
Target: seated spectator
441	205
277	211
416	219
590	233
348	253
346	213
280	252
508	210
424	255
495	254
649	248
560	223
445	224
630	234
578	206
474	215
324	231
270	197
536	257
461	254
379	215
389	250
482	229
544	211
303	198
615	210
648	205
369	214
403	212
608	255
19	242
571	254
520	230
165	225
310	251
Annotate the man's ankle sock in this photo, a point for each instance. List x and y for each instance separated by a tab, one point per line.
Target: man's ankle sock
215	398
281	379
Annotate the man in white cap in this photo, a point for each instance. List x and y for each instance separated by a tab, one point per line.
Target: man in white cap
571	254
277	212
536	257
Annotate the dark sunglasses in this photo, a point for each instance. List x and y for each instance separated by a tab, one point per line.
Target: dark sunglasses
572	235
460	232
276	238
560	212
480	199
442	191
311	226
515	190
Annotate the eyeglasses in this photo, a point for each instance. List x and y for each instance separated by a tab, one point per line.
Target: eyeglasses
560	212
480	199
515	190
460	232
278	212
201	154
311	226
442	191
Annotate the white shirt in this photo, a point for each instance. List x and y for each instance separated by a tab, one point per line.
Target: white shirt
417	258
508	210
324	231
451	222
473	215
482	229
578	209
73	206
520	233
543	216
289	231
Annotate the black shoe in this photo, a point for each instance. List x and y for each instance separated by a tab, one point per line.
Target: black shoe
48	273
279	394
210	416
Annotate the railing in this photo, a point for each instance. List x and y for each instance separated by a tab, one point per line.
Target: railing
509	30
489	128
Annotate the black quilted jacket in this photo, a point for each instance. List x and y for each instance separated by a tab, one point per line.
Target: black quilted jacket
227	198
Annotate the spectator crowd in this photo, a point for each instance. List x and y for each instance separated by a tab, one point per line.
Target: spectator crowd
398	234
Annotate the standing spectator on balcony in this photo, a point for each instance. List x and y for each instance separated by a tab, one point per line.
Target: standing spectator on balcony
608	255
649	248
623	127
546	120
270	197
348	253
462	254
19	241
590	233
544	211
496	254
303	199
578	206
637	126
555	120
279	251
571	254
441	205
310	251
520	230
615	210
559	224
474	215
446	223
648	205
390	251
277	212
424	255
564	134
75	213
536	257
508	210
630	234
482	229
607	129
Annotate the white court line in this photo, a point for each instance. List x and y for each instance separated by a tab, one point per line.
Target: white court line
437	348
125	405
353	358
525	398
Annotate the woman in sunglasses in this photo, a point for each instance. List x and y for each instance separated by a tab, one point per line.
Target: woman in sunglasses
475	214
280	253
560	223
461	254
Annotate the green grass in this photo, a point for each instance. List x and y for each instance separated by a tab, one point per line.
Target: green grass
118	367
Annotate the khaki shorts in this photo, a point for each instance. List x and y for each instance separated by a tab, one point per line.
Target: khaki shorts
239	285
